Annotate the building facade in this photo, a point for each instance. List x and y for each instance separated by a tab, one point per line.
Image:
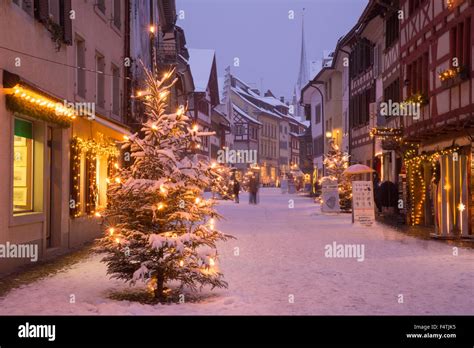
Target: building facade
61	134
436	44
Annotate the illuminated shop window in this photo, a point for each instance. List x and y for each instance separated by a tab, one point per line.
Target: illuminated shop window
23	166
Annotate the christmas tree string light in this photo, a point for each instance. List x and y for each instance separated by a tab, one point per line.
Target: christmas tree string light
157	203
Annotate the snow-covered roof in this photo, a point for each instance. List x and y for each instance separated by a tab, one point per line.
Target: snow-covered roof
271	101
244	114
242	82
314	68
245	96
295	119
200	61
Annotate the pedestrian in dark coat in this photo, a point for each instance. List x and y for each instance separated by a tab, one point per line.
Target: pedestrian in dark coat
236	190
253	189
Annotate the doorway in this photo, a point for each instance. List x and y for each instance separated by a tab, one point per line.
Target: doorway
53	187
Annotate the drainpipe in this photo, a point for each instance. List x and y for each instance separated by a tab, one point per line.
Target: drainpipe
315	86
349	106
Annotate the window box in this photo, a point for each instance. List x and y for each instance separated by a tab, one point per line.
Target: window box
453	76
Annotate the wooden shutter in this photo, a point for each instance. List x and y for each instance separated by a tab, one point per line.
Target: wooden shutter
117	13
66	21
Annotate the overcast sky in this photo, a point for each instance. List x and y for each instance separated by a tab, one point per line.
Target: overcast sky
261	35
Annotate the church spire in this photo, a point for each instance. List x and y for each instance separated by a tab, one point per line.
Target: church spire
303	75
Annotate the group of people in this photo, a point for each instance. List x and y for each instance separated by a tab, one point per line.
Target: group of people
252	187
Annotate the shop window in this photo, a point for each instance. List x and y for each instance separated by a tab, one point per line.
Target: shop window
102	168
23	166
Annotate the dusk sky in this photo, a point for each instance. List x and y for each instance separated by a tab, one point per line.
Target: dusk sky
261	35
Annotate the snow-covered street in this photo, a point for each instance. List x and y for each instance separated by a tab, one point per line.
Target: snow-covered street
277	265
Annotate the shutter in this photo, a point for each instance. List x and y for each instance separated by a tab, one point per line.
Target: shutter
66	22
376	61
42	10
117	13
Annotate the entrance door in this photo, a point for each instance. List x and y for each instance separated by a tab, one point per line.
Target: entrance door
54	189
453	195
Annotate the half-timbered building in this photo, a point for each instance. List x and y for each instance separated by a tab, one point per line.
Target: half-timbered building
205	96
436	48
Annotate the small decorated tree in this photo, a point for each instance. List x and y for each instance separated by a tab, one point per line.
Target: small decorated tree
222	183
160	228
335	162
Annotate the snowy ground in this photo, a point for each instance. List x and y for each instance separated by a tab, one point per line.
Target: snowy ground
282	269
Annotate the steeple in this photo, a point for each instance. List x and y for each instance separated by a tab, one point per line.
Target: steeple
303	75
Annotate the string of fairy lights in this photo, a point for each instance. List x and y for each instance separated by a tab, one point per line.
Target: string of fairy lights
161	207
92	150
414	163
417	186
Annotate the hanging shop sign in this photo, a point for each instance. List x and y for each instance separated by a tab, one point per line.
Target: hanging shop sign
386	132
330	197
363	203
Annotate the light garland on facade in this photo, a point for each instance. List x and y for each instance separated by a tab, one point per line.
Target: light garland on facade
414	163
417	98
28	102
92	150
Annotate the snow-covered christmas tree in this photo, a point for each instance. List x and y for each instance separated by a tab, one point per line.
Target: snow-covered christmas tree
159	227
222	184
335	162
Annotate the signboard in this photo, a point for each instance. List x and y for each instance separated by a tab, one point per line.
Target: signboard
387	132
330	197
363	207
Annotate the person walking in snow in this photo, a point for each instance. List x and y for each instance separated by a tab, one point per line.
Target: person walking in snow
236	190
253	189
